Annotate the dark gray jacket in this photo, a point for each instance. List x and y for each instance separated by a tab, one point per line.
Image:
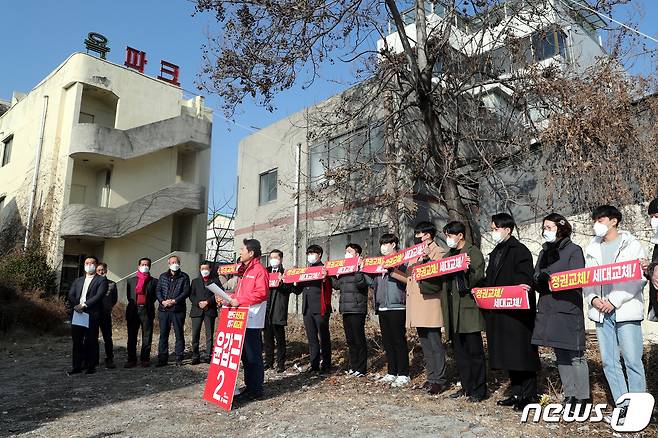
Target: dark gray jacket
388	292
353	292
111	297
560	322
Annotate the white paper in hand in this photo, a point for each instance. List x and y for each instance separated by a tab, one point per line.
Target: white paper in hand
219	292
256	316
81	319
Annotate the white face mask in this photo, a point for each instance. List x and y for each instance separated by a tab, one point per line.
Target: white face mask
349	255
275	263
550	236
174	267
312	258
144	269
496	236
654	224
90	269
600	230
205	273
451	242
385	249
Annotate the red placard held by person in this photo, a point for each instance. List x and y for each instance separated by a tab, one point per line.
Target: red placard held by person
225	363
404	256
343	266
373	265
229	269
274	279
300	275
596	276
502	297
437	268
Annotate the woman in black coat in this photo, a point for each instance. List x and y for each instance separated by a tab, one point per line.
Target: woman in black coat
509	332
560	322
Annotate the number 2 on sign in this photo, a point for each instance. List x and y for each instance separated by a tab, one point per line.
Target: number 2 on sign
215	395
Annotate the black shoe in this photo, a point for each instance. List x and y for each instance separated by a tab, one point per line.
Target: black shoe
161	364
509	401
457	394
109	364
130	364
474	399
196	361
207	359
522	403
91	370
436	388
74	371
325	371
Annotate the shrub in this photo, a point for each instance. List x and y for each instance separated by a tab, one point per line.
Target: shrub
28	270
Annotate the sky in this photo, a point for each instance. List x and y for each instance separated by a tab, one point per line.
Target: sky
40	34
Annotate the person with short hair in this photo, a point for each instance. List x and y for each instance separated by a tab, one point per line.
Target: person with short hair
560	322
617	309
141	294
105	323
172	292
509	332
353	305
86	296
316	309
203	311
251	290
389	292
462	317
424	310
651	273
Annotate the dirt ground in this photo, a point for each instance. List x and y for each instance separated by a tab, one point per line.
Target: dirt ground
38	399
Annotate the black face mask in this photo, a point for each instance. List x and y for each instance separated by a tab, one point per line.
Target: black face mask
418	240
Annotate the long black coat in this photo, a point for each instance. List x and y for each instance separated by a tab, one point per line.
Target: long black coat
151	286
353	293
509	332
277	302
199	292
560	322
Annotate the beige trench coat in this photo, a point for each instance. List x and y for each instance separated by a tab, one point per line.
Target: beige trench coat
423	310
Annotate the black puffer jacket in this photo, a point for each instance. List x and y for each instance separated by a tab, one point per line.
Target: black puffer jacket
353	292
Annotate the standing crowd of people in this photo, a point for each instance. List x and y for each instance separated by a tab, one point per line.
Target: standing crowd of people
440	309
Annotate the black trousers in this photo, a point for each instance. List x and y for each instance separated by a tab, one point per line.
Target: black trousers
209	323
106	331
167	319
471	363
319	339
394	338
523	383
275	335
140	319
85	344
355	335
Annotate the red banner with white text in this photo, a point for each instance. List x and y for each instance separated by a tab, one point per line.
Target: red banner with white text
225	363
502	297
229	269
404	256
300	275
373	265
596	276
274	279
341	267
437	268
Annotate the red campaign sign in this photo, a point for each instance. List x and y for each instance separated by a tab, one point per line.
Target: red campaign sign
437	268
343	266
373	265
405	255
274	279
225	363
300	275
596	276
229	269
502	297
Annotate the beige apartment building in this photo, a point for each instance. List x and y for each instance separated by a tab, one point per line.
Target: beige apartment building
102	160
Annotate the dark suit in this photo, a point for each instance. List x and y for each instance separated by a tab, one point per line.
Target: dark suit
85	340
140	317
174	286
110	299
206	316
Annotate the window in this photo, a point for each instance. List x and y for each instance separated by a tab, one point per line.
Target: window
6	150
548	43
267	187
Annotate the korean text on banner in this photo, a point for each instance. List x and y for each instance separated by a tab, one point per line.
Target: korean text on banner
300	275
437	268
502	297
596	276
341	267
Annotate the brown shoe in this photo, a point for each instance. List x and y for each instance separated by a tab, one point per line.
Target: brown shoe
436	388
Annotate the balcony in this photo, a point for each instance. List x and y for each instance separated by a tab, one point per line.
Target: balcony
80	220
193	132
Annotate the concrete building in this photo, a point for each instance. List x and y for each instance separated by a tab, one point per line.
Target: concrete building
219	239
99	159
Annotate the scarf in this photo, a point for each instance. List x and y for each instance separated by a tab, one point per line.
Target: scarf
142	278
205	279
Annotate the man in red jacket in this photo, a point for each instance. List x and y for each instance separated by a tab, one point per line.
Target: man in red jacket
251	290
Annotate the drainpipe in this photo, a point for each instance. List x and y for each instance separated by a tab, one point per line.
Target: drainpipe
35	176
295	219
